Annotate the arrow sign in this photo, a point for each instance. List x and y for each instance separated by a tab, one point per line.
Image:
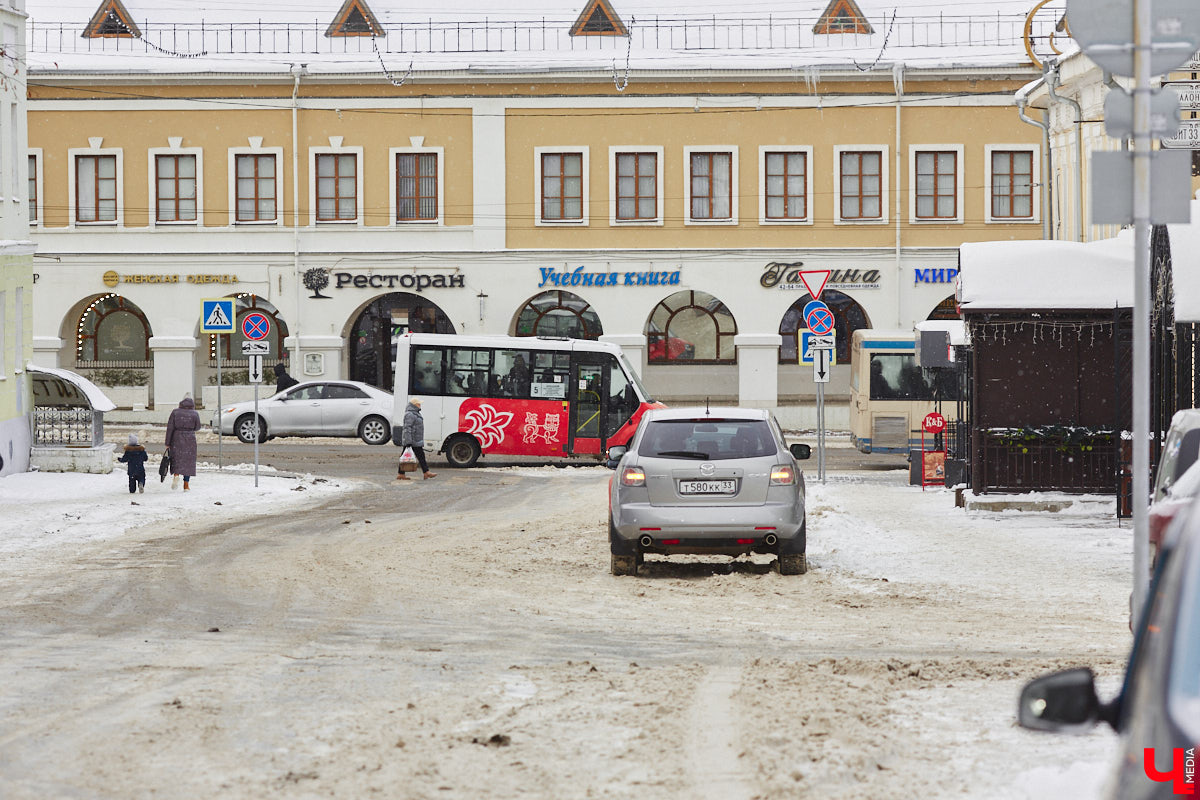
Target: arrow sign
821	365
256	369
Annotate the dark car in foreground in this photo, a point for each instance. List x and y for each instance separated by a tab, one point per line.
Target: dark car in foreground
1157	711
707	481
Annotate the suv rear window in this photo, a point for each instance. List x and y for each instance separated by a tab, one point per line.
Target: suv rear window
707	439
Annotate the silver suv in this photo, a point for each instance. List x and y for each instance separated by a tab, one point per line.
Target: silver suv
707	481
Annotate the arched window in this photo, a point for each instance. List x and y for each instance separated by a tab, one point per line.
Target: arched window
691	327
558	313
112	332
231	344
848	316
945	310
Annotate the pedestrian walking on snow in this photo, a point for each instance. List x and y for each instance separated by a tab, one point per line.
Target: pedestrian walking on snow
134	459
181	441
413	435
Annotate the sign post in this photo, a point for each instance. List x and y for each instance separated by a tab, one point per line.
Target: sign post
821	347
255	327
1125	38
216	317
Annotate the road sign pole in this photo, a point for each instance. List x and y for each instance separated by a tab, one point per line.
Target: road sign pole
218	337
1142	39
256	436
821	432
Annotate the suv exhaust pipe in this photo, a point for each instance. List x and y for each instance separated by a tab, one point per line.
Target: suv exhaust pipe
646	541
770	540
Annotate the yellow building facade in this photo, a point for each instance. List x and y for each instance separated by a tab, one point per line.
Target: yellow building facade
660	191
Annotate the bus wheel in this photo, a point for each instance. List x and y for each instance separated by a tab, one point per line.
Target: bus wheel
462	450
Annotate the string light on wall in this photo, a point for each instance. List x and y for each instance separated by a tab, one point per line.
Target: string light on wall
80	331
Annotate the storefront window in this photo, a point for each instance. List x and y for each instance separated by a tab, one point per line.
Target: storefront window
374	333
113	332
945	310
848	316
558	313
690	327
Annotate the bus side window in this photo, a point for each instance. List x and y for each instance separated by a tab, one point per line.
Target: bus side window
511	373
426	376
469	372
550	375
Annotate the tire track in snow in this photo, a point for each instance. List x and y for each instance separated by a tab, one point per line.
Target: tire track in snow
717	772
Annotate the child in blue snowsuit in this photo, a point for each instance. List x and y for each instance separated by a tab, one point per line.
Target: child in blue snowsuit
135	460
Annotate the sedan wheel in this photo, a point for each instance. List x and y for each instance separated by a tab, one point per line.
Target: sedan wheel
244	428
374	430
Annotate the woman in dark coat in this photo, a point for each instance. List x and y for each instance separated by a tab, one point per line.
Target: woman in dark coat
181	441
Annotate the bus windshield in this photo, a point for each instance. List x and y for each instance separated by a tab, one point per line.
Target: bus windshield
633	376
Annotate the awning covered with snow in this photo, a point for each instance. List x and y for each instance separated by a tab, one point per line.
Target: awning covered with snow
85	388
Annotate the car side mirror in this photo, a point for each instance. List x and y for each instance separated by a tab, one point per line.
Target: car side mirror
1062	702
800	452
614	455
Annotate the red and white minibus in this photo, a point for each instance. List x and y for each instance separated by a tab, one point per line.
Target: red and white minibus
517	396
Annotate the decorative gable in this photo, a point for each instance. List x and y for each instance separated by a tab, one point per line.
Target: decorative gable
598	19
354	18
111	21
843	16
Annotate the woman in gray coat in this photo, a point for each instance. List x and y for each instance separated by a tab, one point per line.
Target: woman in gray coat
181	441
413	435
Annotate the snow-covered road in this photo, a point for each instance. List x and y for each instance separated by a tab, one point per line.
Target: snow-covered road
463	639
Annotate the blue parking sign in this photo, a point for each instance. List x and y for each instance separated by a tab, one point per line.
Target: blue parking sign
216	315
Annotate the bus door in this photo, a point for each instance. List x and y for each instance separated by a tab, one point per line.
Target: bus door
588	395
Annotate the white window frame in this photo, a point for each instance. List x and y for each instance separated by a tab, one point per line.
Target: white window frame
119	152
763	150
660	201
313	152
393	178
959	170
732	150
585	160
884	179
152	180
36	152
280	193
1035	206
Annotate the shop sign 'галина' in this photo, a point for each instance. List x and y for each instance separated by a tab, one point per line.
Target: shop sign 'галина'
777	275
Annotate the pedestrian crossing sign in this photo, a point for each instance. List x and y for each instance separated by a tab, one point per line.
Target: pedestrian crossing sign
216	315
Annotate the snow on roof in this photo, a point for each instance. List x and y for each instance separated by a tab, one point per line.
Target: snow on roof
1047	275
97	398
1185	266
210	36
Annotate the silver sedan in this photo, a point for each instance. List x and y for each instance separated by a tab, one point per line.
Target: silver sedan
698	480
314	408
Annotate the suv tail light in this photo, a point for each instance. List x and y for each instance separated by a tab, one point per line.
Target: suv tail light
782	475
633	476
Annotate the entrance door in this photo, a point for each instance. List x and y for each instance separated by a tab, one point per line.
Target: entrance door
589	404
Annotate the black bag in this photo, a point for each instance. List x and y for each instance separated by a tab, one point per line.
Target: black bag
164	467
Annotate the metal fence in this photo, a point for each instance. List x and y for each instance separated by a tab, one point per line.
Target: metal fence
63	426
1046	465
